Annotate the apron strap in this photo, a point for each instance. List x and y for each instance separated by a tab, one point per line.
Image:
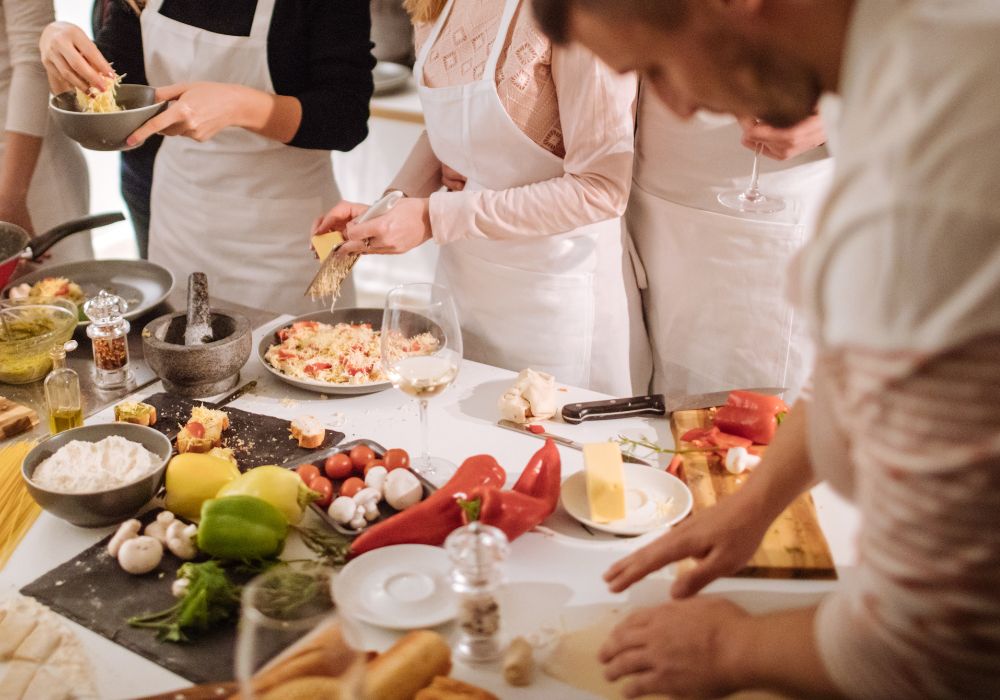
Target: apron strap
509	8
262	18
425	50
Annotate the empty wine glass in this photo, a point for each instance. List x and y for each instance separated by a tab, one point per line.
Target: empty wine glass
752	200
421	353
289	627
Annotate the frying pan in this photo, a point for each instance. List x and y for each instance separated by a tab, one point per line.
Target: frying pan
17	245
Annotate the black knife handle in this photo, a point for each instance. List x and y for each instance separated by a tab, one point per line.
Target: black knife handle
651	405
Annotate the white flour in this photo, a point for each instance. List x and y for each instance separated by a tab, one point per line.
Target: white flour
84	467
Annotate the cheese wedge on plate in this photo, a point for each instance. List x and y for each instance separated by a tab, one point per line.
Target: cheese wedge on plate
605	481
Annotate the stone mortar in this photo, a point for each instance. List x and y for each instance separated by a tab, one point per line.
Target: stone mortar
197	370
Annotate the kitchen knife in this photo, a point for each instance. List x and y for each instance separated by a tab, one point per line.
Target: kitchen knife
651	405
565	442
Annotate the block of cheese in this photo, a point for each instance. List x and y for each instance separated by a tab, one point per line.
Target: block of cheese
605	481
323	243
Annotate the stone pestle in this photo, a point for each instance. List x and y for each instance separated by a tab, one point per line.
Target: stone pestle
198	330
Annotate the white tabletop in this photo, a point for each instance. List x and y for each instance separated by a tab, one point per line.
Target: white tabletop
554	578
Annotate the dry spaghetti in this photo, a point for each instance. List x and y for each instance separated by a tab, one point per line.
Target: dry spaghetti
18	510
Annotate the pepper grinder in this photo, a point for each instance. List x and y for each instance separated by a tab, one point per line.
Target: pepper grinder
477	553
108	330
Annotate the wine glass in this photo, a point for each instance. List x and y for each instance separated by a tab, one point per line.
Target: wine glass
421	353
289	628
752	200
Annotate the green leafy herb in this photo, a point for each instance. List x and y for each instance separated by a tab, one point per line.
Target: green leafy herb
629	446
332	547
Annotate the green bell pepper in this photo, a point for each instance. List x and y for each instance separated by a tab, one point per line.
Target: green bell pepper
241	527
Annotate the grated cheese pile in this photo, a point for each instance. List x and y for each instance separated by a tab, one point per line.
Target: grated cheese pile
94	100
86	467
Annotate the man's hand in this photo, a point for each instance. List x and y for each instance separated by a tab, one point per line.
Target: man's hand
783	144
678	649
402	228
722	538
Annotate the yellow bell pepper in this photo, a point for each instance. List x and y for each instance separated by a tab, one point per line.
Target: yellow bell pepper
280	487
193	479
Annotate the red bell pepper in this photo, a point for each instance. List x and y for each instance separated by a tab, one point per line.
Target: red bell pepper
772	405
433	519
752	416
714	437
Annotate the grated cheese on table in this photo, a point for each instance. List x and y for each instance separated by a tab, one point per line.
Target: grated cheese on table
85	467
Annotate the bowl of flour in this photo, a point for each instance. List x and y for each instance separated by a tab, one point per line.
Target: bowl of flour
97	475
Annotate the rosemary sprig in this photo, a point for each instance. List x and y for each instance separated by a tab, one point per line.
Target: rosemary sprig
629	446
331	547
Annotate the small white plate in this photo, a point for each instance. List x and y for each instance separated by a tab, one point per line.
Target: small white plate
653	499
400	587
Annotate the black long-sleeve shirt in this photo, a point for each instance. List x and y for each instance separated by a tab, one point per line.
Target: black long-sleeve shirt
318	51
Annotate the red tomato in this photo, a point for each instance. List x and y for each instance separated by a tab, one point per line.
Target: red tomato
351	486
308	472
195	429
396	458
338	466
324	487
313	368
374	463
361	455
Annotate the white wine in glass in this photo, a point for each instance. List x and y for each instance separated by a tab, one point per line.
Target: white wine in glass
421	353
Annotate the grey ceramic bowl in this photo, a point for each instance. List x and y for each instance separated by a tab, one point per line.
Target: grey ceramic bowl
99	508
106	131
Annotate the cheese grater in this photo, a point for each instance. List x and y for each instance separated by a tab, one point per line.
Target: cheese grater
334	269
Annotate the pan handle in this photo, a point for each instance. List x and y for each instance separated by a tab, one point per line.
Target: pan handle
39	244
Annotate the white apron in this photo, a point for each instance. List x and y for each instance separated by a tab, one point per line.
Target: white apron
715	299
238	207
566	304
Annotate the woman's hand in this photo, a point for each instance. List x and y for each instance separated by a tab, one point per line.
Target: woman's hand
198	110
337	218
402	228
782	144
71	59
452	179
722	539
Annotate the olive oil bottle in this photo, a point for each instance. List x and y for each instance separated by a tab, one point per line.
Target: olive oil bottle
62	392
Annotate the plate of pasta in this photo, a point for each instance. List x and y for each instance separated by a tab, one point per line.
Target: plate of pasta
332	352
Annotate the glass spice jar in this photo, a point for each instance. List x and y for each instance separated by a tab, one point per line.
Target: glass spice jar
108	330
477	552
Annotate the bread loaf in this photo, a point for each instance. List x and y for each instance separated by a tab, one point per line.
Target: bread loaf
444	688
409	665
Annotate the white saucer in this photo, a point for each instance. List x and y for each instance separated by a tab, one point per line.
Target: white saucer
401	587
653	499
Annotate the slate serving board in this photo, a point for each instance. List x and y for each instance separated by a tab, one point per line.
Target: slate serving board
256	439
93	590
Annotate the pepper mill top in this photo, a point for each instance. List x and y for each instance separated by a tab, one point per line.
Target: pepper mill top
105	308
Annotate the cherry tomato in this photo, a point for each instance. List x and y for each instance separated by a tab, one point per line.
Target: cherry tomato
195	429
361	455
324	487
308	472
338	466
396	458
351	486
374	463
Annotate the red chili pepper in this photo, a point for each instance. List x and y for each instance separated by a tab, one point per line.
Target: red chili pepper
533	498
433	519
752	424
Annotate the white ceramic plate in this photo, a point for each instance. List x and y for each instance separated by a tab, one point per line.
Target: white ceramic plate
389	77
400	587
653	499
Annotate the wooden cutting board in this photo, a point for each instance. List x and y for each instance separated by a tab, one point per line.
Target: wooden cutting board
15	418
794	546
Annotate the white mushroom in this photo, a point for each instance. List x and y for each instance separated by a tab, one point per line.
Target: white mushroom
375	478
402	489
367	499
358	522
140	555
180	540
180	586
342	510
738	460
158	528
126	531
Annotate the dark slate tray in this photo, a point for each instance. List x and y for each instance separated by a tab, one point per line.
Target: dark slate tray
92	590
256	439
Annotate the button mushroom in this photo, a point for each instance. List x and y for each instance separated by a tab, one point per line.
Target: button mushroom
368	498
375	478
180	540
738	460
342	510
126	531
158	528
402	489
140	555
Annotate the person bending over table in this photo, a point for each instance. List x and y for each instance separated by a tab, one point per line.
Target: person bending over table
901	287
532	244
263	90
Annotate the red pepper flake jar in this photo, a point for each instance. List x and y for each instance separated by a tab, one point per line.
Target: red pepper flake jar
108	330
477	552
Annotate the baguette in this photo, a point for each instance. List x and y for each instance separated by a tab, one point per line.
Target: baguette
133	412
308	431
203	431
309	688
444	688
409	665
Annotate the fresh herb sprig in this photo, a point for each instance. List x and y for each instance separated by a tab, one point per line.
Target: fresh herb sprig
332	548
